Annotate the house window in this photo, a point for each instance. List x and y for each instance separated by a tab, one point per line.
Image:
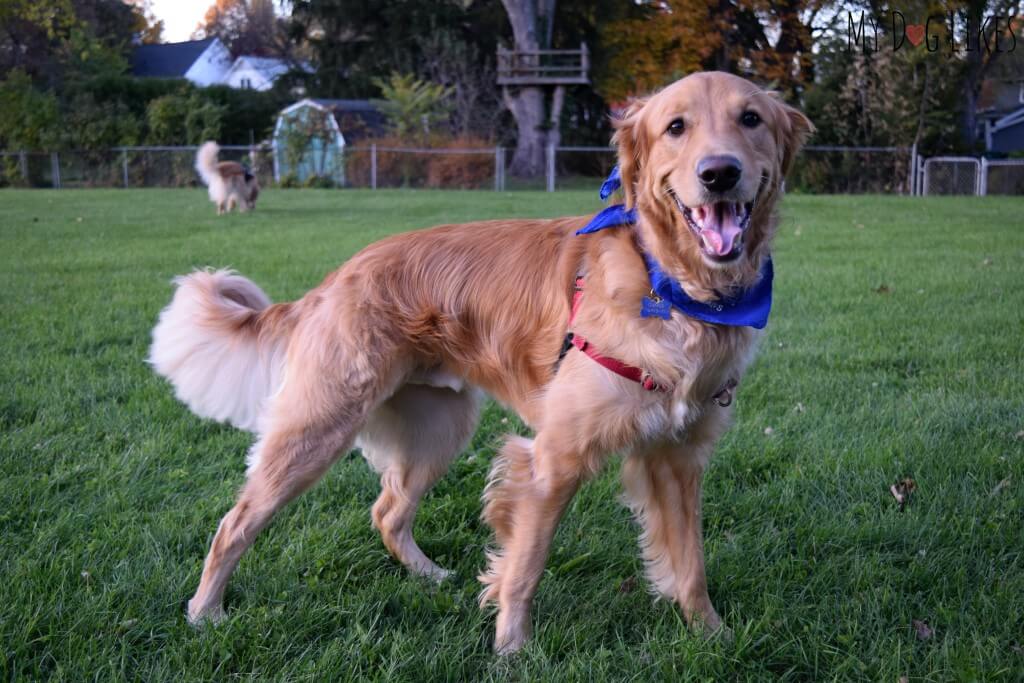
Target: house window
246	83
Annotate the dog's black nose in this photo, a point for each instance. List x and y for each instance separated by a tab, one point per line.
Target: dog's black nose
719	172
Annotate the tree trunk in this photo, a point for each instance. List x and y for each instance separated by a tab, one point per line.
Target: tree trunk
527	103
979	62
527	106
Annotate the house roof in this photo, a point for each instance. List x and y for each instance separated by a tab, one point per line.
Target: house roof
346	105
1014	118
167	60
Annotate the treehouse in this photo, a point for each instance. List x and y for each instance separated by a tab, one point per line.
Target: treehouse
525	68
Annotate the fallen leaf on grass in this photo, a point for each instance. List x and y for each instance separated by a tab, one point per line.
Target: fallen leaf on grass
882	289
628	585
921	629
999	487
1017	648
768	431
901	491
799	407
904	679
1019	435
987	262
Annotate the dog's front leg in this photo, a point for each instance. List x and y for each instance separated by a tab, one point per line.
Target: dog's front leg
532	483
663	488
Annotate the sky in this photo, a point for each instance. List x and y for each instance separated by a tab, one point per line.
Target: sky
180	17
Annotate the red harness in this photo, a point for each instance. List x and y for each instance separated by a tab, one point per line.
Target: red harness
630	372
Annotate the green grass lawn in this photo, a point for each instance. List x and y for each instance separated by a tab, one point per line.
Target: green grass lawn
895	350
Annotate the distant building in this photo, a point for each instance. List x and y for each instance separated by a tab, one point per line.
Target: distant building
310	136
1001	114
257	73
203	62
207	62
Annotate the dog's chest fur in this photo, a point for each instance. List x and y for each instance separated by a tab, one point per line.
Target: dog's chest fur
703	359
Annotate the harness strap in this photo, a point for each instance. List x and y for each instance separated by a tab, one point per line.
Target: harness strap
630	372
722	398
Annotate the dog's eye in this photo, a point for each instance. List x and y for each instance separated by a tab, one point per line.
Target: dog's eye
750	119
676	128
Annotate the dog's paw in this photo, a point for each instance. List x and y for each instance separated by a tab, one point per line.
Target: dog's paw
711	628
434	573
198	616
512	629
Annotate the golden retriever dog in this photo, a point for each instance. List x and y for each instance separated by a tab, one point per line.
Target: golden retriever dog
230	183
394	350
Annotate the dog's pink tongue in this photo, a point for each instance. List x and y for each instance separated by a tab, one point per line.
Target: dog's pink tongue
721	227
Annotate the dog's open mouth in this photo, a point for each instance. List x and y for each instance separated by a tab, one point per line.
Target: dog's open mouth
719	226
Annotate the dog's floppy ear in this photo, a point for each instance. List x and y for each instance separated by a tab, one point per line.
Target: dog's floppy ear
793	130
632	143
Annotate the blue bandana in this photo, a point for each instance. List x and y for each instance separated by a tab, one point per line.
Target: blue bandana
749	308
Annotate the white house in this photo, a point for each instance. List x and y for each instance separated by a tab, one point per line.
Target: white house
207	62
255	73
204	62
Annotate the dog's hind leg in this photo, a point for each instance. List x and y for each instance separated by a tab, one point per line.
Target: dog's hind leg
411	439
311	422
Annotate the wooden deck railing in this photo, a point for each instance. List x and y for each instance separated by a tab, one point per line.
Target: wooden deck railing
543	67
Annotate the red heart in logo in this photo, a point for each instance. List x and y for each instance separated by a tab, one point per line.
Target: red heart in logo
915	33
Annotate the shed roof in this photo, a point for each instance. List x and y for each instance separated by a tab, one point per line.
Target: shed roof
356	119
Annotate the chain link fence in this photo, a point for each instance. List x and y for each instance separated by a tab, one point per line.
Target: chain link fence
1003	176
121	167
827	169
951	176
817	170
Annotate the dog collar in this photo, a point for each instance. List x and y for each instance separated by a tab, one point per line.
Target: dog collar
748	308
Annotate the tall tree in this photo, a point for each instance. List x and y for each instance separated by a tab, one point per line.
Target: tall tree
770	39
979	59
532	26
354	42
246	27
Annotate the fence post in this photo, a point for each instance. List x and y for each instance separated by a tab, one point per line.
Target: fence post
373	167
497	169
55	169
913	169
23	163
124	166
551	168
983	181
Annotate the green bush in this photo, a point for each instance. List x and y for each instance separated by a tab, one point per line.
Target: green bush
29	119
183	119
321	182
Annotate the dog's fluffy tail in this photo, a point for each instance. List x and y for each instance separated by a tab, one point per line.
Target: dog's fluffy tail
206	161
222	344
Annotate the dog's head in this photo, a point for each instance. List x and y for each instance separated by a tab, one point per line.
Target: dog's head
703	161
